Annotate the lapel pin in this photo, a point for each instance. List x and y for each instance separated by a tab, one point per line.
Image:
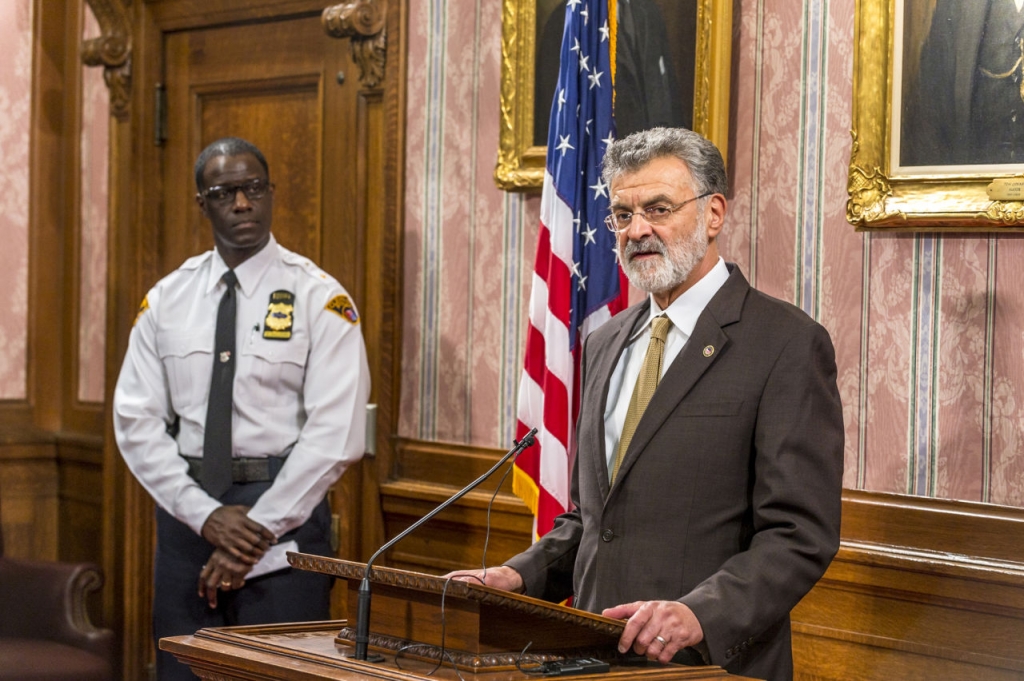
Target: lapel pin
709	350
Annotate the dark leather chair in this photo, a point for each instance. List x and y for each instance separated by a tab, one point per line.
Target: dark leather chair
45	632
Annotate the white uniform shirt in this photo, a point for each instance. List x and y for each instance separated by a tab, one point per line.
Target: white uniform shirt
683	312
307	393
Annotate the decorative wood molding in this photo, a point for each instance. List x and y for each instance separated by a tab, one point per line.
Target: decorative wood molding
364	21
473	662
311	651
113	51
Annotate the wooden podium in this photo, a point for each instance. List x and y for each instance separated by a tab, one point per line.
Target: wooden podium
414	617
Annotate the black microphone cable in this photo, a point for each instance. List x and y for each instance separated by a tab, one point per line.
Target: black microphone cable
444	590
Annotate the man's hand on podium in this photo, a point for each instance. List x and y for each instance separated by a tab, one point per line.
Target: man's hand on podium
657	629
501	577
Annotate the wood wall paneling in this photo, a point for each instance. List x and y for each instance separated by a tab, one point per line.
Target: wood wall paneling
80	488
921	588
384	272
29	500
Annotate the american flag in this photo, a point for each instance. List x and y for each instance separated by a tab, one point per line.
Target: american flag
577	283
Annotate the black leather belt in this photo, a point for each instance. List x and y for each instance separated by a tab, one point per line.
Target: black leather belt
243	469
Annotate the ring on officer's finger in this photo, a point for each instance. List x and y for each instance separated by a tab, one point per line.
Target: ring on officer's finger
660	640
225	584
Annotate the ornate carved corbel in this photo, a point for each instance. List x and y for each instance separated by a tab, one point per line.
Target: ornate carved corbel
364	22
113	51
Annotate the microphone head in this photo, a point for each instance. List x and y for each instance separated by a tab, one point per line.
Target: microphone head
528	440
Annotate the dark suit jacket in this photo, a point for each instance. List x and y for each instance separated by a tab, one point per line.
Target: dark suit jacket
937	113
728	498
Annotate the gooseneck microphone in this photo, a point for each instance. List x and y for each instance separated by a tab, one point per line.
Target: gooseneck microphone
363	614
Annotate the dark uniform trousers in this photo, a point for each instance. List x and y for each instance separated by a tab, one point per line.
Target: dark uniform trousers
288	595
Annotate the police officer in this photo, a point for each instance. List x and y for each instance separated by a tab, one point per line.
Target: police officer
241	400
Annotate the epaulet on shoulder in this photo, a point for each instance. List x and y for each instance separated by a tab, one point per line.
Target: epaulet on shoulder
186	268
306	265
196	261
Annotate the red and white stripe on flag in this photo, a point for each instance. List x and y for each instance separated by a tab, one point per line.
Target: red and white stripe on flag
577	283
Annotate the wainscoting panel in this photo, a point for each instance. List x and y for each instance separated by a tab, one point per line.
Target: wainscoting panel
920	589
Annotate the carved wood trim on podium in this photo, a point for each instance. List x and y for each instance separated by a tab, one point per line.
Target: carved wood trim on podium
308	651
364	21
113	51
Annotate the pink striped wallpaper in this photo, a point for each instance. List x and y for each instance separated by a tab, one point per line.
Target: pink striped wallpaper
15	108
928	330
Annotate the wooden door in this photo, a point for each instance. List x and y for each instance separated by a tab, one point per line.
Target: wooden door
274	83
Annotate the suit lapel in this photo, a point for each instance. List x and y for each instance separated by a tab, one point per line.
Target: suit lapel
701	351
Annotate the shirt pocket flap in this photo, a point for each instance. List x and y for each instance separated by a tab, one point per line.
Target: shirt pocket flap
184	343
292	352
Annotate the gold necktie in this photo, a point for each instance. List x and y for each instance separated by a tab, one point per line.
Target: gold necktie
646	382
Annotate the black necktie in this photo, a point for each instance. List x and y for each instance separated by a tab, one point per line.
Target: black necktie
216	475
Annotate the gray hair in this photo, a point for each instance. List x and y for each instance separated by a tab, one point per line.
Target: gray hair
227	146
701	157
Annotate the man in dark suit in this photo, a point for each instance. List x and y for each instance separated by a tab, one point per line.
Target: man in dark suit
704	518
967	103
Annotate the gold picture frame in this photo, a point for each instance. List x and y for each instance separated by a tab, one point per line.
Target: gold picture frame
520	164
890	74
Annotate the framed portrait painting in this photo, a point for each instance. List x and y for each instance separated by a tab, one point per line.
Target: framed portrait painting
938	116
673	61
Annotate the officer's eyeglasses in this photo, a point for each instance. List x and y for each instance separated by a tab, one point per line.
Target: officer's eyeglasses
253	190
655	215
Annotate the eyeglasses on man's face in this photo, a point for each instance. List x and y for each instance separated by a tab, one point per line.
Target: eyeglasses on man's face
224	193
655	215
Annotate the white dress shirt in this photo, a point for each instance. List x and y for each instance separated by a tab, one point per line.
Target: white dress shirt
683	312
306	393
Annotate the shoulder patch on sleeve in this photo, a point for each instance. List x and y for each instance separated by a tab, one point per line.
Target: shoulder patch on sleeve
143	306
342	306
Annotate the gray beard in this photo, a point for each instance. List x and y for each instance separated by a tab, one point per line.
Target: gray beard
679	258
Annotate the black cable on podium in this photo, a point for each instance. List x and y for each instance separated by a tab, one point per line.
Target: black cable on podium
363	613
